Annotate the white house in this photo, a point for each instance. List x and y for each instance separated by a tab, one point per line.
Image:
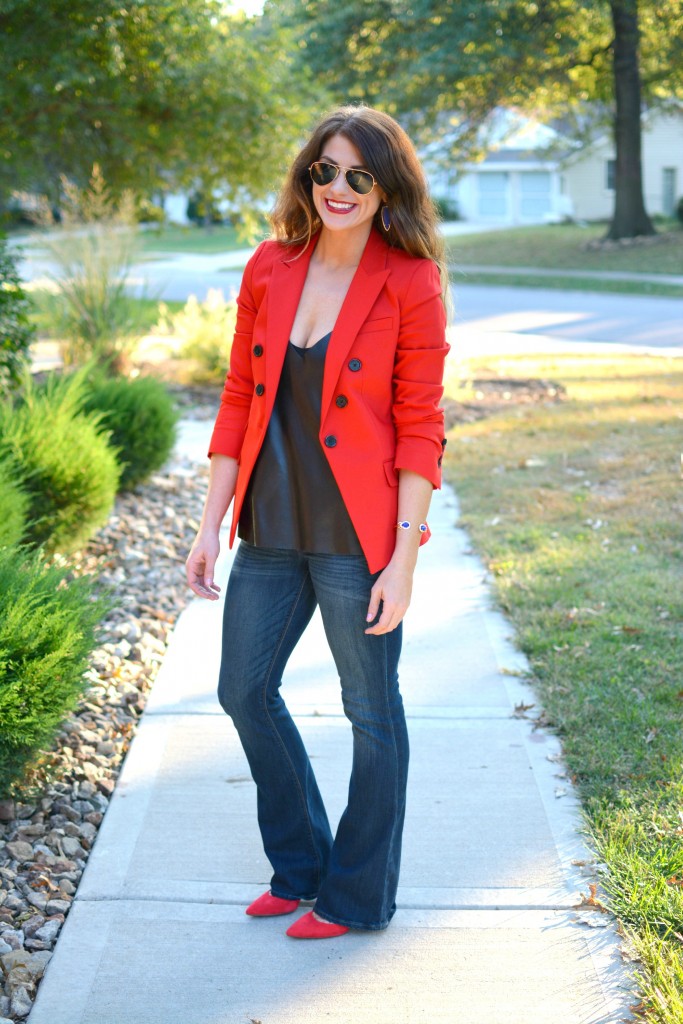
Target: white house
532	174
587	176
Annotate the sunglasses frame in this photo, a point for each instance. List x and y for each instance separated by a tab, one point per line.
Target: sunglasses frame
358	170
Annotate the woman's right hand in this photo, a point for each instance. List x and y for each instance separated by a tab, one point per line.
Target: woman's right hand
201	563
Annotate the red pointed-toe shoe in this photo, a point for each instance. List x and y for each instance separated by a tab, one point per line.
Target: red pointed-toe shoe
308	927
271	906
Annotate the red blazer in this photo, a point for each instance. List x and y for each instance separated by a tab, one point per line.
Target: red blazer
381	386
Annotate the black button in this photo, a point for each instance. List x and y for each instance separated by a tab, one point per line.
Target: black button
341	401
439	461
330	441
258	350
444	443
355	365
259	389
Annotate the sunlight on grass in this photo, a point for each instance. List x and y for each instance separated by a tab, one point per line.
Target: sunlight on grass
576	508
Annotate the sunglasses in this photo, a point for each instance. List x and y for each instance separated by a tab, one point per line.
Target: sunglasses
323	173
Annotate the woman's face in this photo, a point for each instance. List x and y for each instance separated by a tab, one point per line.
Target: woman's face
339	207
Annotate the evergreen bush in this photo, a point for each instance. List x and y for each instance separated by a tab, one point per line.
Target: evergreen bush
47	631
141	419
62	460
13	507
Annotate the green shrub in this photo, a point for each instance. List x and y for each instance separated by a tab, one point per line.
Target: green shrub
16	332
141	418
447	209
13	506
47	631
205	331
679	209
62	459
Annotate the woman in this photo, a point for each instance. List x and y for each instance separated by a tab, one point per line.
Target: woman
329	439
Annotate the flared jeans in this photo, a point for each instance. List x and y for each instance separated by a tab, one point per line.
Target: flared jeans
271	596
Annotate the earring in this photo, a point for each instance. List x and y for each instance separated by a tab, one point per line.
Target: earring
385	215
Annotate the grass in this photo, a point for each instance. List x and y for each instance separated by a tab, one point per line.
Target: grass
192	239
576	509
565	284
561	247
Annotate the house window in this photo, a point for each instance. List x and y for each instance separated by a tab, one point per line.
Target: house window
610	175
668	191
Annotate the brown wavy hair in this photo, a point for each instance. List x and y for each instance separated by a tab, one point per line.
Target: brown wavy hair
390	156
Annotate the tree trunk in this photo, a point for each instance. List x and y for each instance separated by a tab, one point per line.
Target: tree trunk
630	217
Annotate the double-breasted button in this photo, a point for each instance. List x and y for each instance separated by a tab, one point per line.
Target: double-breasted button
258	350
355	365
341	401
259	389
330	441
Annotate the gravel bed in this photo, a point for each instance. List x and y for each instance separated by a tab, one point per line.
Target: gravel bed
45	842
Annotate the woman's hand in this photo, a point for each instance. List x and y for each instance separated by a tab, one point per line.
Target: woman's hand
201	563
393	588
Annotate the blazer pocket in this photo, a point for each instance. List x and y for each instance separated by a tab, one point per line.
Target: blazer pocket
391	474
385	323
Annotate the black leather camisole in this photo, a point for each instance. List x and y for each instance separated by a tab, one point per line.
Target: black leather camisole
292	499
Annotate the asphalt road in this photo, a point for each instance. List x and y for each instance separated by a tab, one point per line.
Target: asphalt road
491	313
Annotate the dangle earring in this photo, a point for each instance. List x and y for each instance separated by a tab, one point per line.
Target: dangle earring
385	216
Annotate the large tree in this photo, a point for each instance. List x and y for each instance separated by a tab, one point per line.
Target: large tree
440	62
158	93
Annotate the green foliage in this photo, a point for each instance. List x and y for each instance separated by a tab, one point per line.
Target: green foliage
679	210
47	630
61	459
141	418
13	506
205	330
161	93
16	332
447	208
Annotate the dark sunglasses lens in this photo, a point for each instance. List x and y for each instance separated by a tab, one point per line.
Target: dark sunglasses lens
360	181
323	173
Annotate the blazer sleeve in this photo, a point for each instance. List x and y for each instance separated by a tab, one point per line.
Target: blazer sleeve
233	414
418	376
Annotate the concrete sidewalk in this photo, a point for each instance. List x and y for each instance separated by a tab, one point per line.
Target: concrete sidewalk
487	931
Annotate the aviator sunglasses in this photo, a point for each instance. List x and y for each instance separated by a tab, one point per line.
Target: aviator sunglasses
323	173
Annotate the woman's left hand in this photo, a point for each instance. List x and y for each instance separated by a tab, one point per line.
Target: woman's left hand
393	588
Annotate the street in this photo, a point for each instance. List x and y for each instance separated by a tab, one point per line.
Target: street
487	318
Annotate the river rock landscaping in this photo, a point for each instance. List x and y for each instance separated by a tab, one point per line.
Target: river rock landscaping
46	835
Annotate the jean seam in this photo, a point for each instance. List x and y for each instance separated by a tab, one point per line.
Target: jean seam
277	734
390	719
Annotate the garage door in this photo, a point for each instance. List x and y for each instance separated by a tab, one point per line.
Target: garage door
493	200
534	198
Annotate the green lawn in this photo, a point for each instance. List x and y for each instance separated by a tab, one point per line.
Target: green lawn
220	238
560	246
576	509
564	283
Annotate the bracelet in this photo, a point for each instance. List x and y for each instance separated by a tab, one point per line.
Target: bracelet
403	524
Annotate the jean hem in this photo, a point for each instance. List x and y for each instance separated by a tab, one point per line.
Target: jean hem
356	925
288	896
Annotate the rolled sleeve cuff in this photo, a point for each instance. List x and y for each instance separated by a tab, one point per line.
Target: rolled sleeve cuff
224	442
422	456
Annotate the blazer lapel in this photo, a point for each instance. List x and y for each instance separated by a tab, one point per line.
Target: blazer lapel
365	287
284	292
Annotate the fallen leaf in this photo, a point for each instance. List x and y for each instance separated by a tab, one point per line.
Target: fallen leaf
521	709
592	900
